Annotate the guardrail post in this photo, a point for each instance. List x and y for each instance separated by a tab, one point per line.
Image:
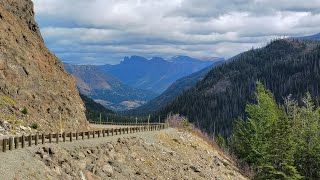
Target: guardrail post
43	137
99	133
77	135
88	134
82	134
64	136
57	138
50	137
103	133
36	138
116	131
107	132
16	142
22	141
71	136
4	145
10	143
30	139
94	133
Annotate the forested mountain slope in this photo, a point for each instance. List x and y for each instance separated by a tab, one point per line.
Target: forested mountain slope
173	91
285	66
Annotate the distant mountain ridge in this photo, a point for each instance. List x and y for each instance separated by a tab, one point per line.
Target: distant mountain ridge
107	89
310	37
155	74
174	90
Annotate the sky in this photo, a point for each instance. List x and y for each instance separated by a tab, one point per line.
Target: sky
104	31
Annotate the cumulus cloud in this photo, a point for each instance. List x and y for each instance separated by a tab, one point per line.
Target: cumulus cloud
104	31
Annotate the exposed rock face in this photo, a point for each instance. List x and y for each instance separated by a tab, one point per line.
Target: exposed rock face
31	75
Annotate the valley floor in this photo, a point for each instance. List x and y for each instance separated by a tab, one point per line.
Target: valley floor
165	154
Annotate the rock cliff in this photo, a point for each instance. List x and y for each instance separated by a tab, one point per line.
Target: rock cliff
34	87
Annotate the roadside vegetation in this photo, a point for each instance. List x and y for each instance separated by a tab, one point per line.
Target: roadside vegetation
279	141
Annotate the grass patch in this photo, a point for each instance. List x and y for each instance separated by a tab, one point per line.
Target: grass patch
8	100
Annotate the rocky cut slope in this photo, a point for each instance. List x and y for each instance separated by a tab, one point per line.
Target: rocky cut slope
165	154
33	83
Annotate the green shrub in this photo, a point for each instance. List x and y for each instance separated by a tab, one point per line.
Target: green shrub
221	141
186	124
24	110
34	126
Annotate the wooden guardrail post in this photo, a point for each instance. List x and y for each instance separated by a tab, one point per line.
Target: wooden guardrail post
77	135
10	143
116	131
71	136
64	136
107	132
93	132
99	133
30	140
23	141
103	132
50	138
4	145
82	135
88	134
16	142
43	138
36	139
57	137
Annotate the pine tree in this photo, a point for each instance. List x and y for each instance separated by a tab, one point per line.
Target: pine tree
280	164
251	138
265	140
307	155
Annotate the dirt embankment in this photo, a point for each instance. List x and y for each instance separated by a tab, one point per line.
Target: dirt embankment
166	154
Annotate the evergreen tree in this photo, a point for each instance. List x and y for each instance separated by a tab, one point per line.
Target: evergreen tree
265	140
280	163
307	155
251	138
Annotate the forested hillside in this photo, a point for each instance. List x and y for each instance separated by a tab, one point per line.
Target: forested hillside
285	66
174	90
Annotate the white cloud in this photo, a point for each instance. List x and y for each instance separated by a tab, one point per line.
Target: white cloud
103	31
